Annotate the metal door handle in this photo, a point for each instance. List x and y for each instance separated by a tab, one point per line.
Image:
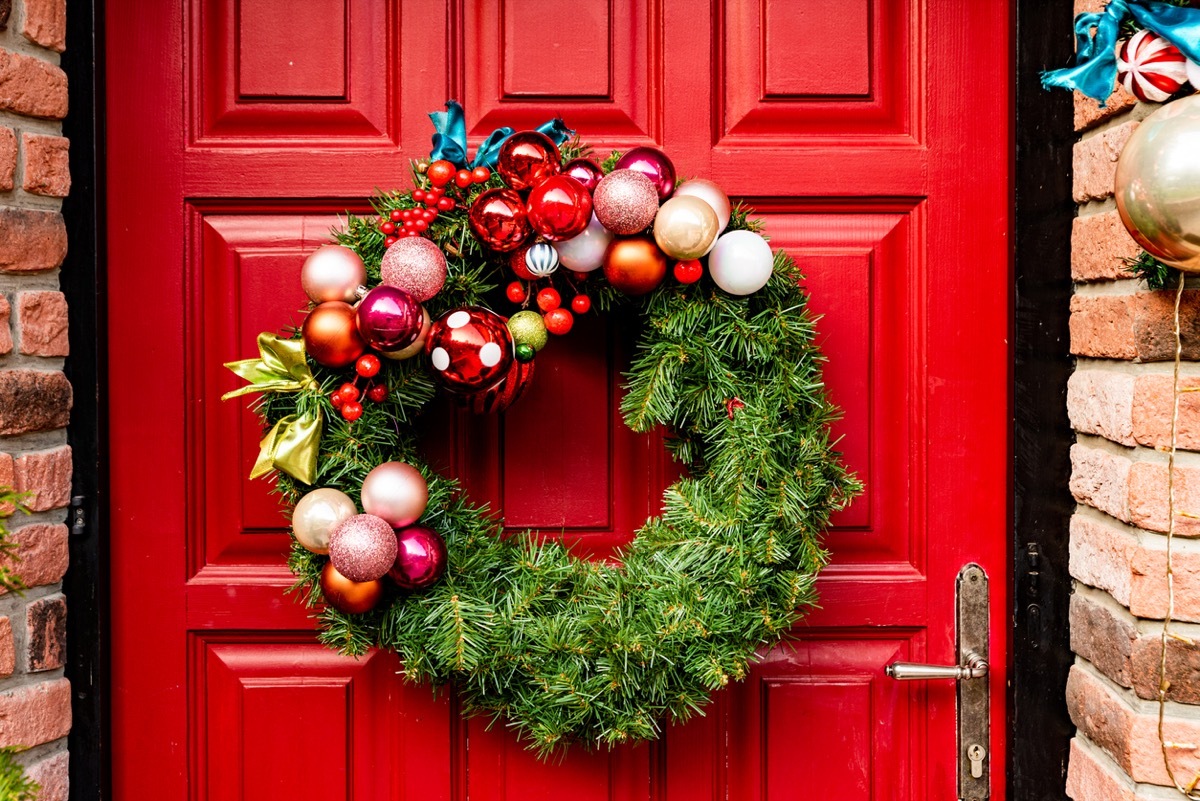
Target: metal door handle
974	667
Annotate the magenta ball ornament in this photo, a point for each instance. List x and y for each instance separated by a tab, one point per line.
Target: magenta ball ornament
559	207
586	171
584	252
416	265
420	558
470	349
655	165
527	158
362	547
498	220
710	193
625	202
389	319
332	272
395	492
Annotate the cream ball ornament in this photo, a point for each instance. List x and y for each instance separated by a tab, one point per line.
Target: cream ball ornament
741	263
317	514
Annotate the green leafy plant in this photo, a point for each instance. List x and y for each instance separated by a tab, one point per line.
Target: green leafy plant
15	785
1151	270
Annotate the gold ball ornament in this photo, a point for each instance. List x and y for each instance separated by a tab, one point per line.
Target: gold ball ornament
685	227
1158	184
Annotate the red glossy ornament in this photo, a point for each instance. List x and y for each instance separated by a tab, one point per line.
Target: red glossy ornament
480	175
504	394
440	172
351	597
654	164
586	171
559	208
331	336
581	304
549	299
558	321
688	272
368	365
498	220
634	265
526	158
470	349
516	292
420	558
352	410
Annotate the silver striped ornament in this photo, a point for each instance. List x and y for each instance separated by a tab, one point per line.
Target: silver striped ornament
541	259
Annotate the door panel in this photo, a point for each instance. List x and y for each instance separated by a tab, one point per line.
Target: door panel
877	155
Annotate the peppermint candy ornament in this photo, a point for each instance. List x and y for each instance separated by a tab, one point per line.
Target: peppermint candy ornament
1150	67
541	260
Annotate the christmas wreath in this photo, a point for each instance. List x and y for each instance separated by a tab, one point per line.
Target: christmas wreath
565	649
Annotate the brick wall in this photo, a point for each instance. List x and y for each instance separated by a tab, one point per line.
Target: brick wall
1119	400
35	398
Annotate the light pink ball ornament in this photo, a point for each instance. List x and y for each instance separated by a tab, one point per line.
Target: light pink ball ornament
332	272
363	547
415	265
395	492
585	252
741	262
710	193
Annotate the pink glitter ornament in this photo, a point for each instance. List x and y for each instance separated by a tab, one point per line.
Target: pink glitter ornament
625	202
362	548
415	265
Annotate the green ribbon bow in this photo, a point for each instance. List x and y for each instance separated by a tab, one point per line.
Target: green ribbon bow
292	443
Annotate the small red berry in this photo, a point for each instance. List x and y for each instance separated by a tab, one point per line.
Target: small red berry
516	292
337	400
434	195
428	214
445	204
558	321
420	225
440	172
378	393
397	215
688	272
352	410
348	391
412	232
407	214
480	175
418	195
368	365
388	228
463	179
548	299
390	240
581	304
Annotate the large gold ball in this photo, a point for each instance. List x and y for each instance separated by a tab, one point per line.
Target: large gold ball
686	227
1158	184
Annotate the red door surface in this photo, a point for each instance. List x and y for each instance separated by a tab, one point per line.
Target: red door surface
875	144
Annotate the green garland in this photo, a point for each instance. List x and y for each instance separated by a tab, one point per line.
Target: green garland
570	650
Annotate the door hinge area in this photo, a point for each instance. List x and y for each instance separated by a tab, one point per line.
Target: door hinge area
78	515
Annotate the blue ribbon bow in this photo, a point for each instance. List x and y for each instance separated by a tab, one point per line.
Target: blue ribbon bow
1095	70
450	137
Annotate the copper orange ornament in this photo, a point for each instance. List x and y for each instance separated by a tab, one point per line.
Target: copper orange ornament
351	597
331	335
634	265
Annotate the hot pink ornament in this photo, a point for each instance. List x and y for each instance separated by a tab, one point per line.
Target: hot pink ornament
625	202
559	208
362	548
395	492
389	319
415	265
420	558
332	272
586	171
654	164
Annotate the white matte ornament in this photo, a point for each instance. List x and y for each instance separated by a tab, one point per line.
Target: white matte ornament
584	252
317	514
741	262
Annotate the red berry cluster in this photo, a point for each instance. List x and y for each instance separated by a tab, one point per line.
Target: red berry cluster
346	398
416	221
558	320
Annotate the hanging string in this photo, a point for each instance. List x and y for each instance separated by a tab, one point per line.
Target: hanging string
1164	683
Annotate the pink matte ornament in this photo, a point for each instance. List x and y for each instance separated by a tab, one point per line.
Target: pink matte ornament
710	193
395	492
332	272
585	252
362	548
420	558
654	164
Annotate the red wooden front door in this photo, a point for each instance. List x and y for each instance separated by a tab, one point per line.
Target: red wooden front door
874	143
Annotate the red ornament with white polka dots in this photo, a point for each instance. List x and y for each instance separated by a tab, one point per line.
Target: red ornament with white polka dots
469	349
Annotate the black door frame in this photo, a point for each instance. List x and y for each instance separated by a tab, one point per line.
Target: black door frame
1039	729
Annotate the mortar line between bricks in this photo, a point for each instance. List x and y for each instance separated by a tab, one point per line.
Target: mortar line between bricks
17	43
1139	706
1090	208
44	751
1103	598
1137	113
33	441
1125	287
1138	791
38	125
1150	540
23	679
1137	453
1084	364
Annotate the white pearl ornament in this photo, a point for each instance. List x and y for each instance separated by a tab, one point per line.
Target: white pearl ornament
741	262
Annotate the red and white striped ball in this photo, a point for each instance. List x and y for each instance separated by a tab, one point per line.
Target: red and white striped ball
1150	67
